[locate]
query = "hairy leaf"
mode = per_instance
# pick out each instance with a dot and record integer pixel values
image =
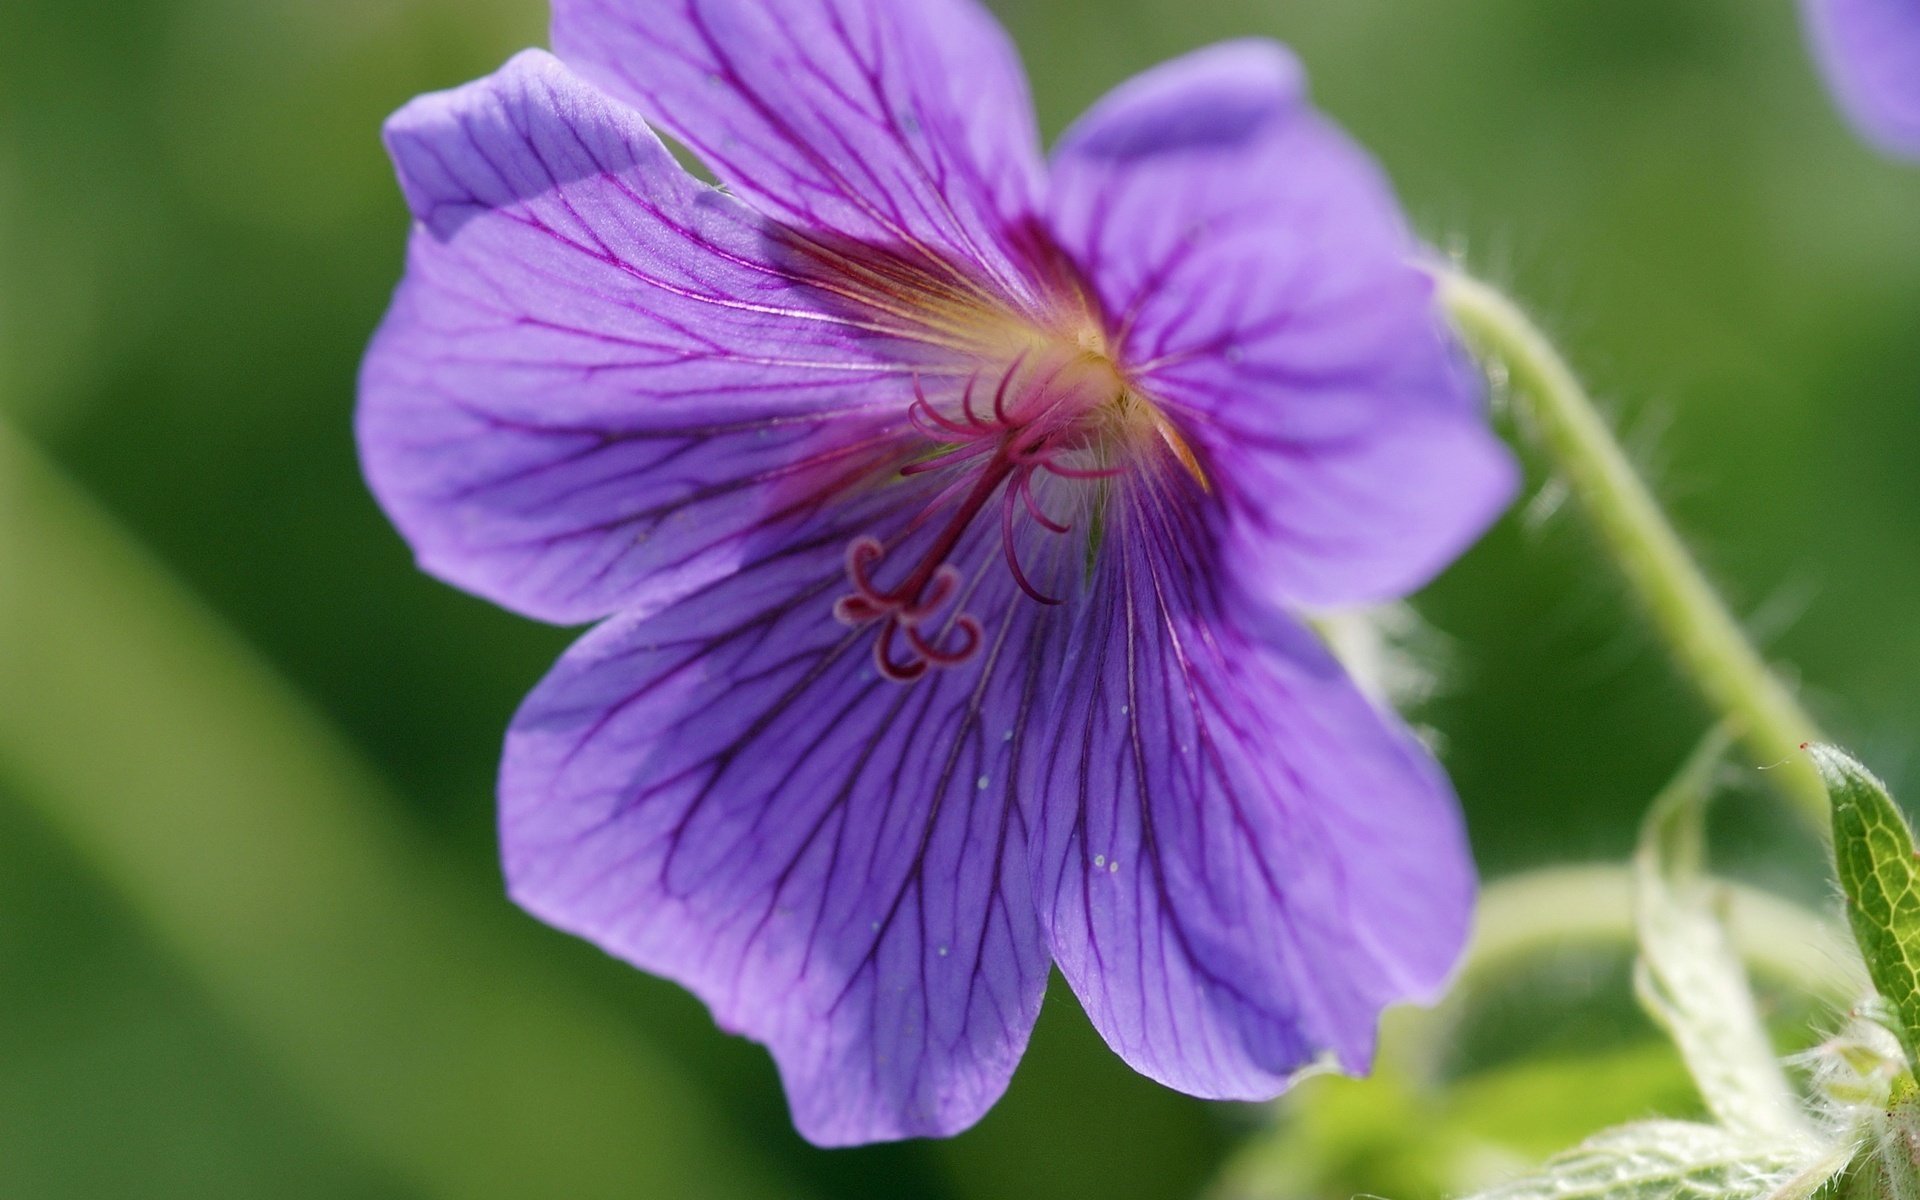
(1888, 1167)
(1873, 852)
(1689, 979)
(1678, 1160)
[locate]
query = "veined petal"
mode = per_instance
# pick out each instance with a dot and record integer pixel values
(1870, 50)
(1238, 861)
(598, 377)
(1258, 278)
(904, 123)
(728, 794)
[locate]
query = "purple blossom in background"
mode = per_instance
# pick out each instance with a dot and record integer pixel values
(1870, 50)
(947, 508)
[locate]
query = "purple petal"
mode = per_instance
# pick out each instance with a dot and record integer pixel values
(1238, 861)
(597, 378)
(892, 122)
(727, 793)
(1870, 50)
(1258, 274)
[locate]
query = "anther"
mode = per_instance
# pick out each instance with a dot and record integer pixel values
(1030, 428)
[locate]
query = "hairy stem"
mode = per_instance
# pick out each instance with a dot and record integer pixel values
(1553, 908)
(1590, 907)
(1706, 641)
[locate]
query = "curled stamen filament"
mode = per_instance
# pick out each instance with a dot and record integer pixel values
(1002, 452)
(1025, 487)
(904, 611)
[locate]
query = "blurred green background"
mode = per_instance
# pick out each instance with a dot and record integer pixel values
(251, 936)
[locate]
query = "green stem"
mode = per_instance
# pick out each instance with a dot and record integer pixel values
(1699, 631)
(1556, 909)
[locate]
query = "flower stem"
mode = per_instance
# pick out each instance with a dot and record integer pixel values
(1551, 910)
(1691, 618)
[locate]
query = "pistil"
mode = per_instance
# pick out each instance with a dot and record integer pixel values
(1029, 425)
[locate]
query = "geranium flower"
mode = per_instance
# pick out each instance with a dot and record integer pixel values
(1870, 51)
(947, 509)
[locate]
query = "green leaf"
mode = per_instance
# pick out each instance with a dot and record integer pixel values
(1886, 1168)
(1689, 979)
(1679, 1160)
(1873, 854)
(1860, 1068)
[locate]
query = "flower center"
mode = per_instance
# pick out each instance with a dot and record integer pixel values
(1016, 397)
(1056, 407)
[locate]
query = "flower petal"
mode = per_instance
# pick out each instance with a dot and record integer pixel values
(1870, 50)
(726, 793)
(1258, 275)
(896, 122)
(1239, 862)
(598, 377)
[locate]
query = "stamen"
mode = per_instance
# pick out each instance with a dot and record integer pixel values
(1006, 385)
(970, 638)
(945, 582)
(905, 672)
(1006, 546)
(1042, 414)
(905, 610)
(1025, 486)
(966, 403)
(922, 413)
(862, 554)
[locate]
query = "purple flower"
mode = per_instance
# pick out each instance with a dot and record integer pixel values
(947, 507)
(1870, 50)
